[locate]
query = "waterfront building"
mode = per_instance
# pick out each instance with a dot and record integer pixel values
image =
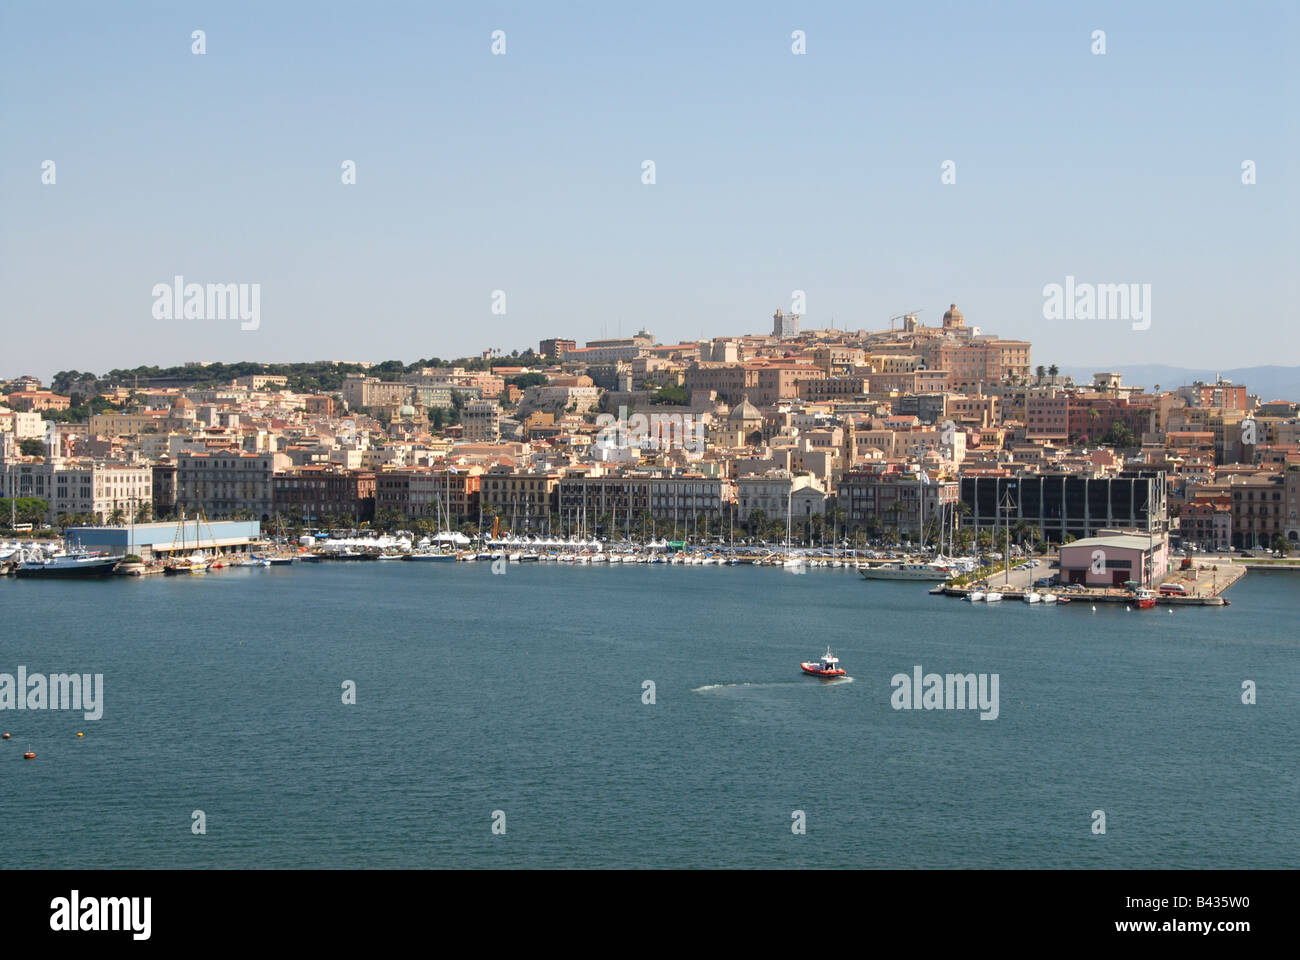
(222, 483)
(1111, 560)
(314, 492)
(157, 541)
(772, 494)
(80, 487)
(1063, 503)
(891, 499)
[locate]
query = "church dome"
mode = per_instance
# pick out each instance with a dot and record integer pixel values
(953, 317)
(745, 411)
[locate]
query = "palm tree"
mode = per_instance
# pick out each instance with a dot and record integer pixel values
(1053, 370)
(144, 513)
(117, 516)
(1041, 371)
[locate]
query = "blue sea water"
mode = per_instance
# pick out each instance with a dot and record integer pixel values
(523, 694)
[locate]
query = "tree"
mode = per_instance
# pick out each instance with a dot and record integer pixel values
(144, 513)
(1041, 371)
(1119, 435)
(1053, 370)
(32, 448)
(117, 516)
(1282, 545)
(31, 510)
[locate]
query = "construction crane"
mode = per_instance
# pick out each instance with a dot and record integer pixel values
(902, 316)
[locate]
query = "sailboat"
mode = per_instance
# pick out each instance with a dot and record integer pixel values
(790, 561)
(196, 562)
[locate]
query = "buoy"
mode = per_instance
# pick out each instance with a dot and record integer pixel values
(29, 756)
(80, 734)
(4, 736)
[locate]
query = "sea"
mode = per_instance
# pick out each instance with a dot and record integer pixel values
(379, 715)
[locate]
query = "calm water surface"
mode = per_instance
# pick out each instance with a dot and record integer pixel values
(523, 693)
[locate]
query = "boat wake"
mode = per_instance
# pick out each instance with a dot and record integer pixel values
(775, 683)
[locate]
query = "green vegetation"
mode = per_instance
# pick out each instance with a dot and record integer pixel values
(1119, 435)
(32, 448)
(526, 380)
(31, 510)
(81, 413)
(675, 396)
(317, 376)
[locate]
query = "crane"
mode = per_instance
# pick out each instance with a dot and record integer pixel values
(902, 316)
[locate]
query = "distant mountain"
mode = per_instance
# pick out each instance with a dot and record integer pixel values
(1268, 383)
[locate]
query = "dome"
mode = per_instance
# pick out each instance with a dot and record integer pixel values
(745, 411)
(952, 317)
(406, 411)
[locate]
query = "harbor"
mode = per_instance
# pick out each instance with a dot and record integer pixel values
(722, 645)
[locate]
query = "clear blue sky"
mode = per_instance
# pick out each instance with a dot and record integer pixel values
(522, 172)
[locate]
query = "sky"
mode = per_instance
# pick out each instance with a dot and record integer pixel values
(522, 172)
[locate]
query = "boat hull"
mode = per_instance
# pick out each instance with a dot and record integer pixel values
(86, 570)
(815, 670)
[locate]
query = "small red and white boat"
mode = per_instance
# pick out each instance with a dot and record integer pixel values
(827, 666)
(1146, 599)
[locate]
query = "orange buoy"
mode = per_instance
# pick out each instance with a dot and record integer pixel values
(80, 734)
(4, 736)
(29, 756)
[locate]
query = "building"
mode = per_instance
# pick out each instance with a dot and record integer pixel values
(445, 497)
(362, 391)
(523, 500)
(776, 493)
(105, 490)
(221, 483)
(785, 326)
(1111, 561)
(1207, 524)
(906, 502)
(157, 541)
(313, 493)
(482, 421)
(38, 400)
(556, 347)
(1260, 509)
(1058, 504)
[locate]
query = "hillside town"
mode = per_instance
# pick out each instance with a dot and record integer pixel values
(906, 435)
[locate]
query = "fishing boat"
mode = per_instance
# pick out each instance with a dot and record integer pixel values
(76, 565)
(827, 666)
(1146, 599)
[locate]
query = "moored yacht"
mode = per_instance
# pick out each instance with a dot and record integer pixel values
(903, 570)
(70, 565)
